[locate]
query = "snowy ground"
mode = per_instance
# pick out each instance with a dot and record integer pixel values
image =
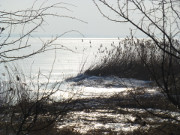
(106, 105)
(84, 86)
(112, 105)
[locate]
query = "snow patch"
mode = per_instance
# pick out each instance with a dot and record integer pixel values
(107, 81)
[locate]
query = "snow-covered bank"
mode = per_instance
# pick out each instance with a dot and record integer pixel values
(107, 81)
(94, 86)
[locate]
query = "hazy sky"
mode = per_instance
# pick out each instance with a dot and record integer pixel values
(97, 25)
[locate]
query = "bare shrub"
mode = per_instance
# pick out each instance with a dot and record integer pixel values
(29, 107)
(158, 21)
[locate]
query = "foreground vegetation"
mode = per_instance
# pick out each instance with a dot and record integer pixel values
(134, 112)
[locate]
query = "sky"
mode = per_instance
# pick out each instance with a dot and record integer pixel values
(96, 27)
